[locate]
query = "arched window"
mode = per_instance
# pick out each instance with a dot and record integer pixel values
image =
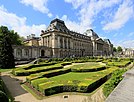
(42, 53)
(26, 52)
(19, 52)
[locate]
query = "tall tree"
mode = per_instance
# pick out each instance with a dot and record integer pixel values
(114, 49)
(15, 38)
(6, 51)
(119, 49)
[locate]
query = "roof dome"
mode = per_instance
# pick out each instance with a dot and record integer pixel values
(91, 33)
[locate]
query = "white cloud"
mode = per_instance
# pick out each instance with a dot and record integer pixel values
(123, 14)
(124, 43)
(12, 21)
(39, 5)
(76, 3)
(89, 10)
(127, 43)
(72, 25)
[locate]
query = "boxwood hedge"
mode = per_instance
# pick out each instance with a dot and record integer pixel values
(49, 86)
(88, 69)
(23, 72)
(47, 74)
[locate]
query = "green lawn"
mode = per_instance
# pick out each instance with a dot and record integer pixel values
(76, 78)
(4, 70)
(88, 67)
(85, 77)
(72, 78)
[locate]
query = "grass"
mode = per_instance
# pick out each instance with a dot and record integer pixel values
(39, 97)
(47, 73)
(22, 71)
(79, 79)
(119, 64)
(71, 78)
(88, 67)
(5, 70)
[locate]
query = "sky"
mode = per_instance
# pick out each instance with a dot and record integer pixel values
(111, 19)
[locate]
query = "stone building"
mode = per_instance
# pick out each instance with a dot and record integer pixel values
(101, 47)
(66, 43)
(129, 52)
(58, 41)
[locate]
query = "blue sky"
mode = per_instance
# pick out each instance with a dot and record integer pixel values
(113, 19)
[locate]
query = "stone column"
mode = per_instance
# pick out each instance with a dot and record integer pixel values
(96, 49)
(63, 42)
(23, 56)
(67, 42)
(58, 42)
(50, 41)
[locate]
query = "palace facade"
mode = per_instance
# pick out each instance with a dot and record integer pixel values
(58, 41)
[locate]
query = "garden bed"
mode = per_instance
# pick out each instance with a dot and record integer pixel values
(71, 82)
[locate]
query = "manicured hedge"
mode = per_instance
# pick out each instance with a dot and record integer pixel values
(30, 66)
(47, 74)
(90, 69)
(49, 87)
(23, 72)
(38, 81)
(119, 64)
(113, 81)
(58, 88)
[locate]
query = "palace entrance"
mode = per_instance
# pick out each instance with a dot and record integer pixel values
(42, 53)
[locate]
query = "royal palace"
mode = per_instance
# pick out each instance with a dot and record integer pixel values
(57, 41)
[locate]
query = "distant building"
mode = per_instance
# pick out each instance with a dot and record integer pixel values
(58, 41)
(129, 52)
(32, 40)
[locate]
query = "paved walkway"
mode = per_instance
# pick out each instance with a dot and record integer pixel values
(124, 92)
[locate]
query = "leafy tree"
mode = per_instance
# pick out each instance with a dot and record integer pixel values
(114, 49)
(3, 97)
(6, 51)
(15, 38)
(119, 49)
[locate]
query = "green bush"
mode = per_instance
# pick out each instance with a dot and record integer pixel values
(23, 72)
(38, 81)
(3, 97)
(113, 81)
(55, 88)
(1, 88)
(48, 74)
(119, 64)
